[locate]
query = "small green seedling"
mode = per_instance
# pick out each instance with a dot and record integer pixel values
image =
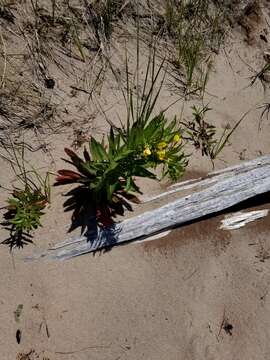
(27, 202)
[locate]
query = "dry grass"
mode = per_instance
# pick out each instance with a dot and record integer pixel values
(55, 54)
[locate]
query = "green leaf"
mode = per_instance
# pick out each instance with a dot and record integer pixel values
(110, 190)
(123, 155)
(89, 169)
(153, 132)
(142, 172)
(97, 151)
(82, 166)
(13, 202)
(112, 173)
(131, 186)
(112, 144)
(171, 126)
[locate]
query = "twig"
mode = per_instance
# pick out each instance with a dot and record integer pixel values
(80, 89)
(5, 61)
(222, 323)
(83, 349)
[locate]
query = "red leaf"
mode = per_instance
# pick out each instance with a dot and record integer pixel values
(69, 173)
(63, 180)
(70, 153)
(74, 157)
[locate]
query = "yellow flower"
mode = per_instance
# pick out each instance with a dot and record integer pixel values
(162, 145)
(161, 154)
(176, 137)
(146, 151)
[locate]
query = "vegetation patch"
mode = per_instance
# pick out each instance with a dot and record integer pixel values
(26, 203)
(76, 41)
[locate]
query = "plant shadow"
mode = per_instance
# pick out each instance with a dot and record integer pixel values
(16, 239)
(99, 237)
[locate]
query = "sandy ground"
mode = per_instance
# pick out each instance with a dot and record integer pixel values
(171, 298)
(198, 294)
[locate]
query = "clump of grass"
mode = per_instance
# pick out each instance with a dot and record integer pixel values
(101, 15)
(195, 28)
(196, 65)
(108, 12)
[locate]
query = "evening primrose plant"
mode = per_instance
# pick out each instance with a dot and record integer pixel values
(106, 175)
(104, 179)
(154, 136)
(163, 146)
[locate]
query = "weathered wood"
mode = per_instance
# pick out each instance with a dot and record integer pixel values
(240, 219)
(214, 193)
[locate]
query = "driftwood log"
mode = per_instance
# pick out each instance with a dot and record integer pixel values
(217, 191)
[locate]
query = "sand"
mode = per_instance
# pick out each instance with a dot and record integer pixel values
(171, 298)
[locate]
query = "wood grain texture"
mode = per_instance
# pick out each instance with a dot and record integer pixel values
(216, 192)
(240, 219)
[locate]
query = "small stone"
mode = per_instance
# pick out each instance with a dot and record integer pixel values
(49, 83)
